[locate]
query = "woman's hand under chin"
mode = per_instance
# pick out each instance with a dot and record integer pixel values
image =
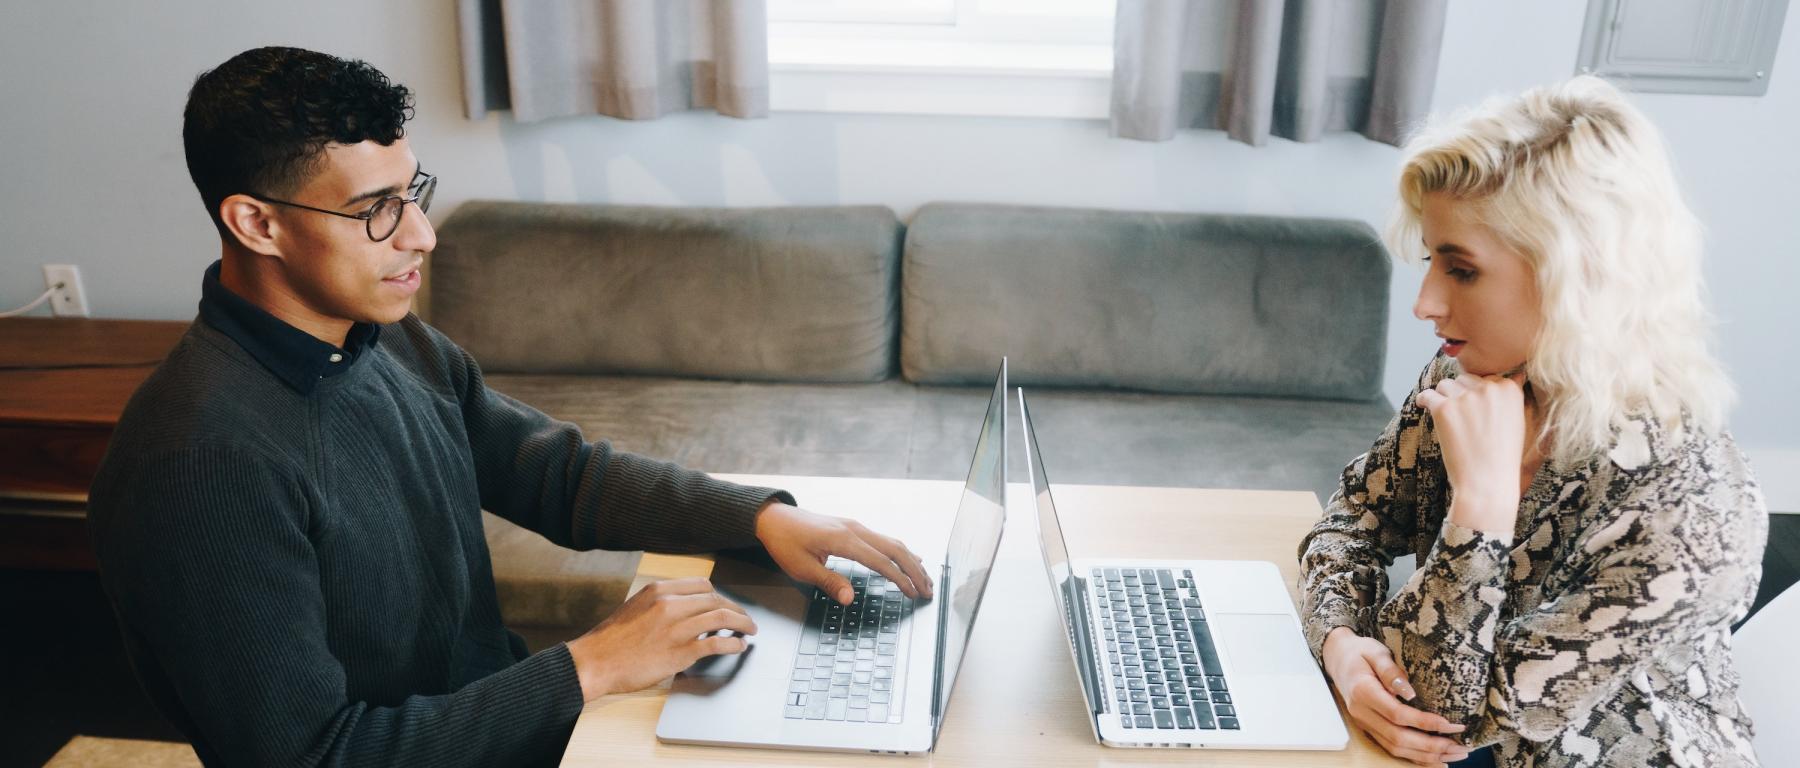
(1480, 423)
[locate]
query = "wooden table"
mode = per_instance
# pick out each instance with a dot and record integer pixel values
(63, 384)
(1016, 701)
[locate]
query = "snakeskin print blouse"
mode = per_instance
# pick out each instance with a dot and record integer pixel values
(1598, 633)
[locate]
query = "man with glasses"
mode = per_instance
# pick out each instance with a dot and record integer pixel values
(288, 516)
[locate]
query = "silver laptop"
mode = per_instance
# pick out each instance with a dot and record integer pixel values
(874, 676)
(1184, 653)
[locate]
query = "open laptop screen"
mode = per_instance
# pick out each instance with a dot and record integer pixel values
(1050, 537)
(1065, 584)
(974, 540)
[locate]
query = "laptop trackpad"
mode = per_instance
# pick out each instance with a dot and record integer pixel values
(777, 612)
(1263, 643)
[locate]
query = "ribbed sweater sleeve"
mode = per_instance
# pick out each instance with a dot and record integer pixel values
(542, 474)
(1368, 522)
(213, 568)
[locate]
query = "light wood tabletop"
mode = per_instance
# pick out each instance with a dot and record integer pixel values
(1017, 700)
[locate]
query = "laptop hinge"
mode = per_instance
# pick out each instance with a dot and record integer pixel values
(937, 677)
(1086, 659)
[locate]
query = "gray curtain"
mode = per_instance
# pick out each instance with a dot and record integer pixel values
(1290, 68)
(632, 59)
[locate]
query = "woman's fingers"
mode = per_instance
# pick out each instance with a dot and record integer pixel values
(1370, 681)
(1401, 730)
(1426, 748)
(1393, 748)
(1390, 674)
(1419, 745)
(1430, 400)
(1390, 709)
(1409, 743)
(1434, 398)
(1394, 681)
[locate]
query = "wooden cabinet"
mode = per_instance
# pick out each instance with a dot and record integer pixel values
(63, 384)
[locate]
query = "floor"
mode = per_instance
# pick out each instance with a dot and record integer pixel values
(71, 677)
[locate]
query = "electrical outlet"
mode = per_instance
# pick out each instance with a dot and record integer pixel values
(67, 299)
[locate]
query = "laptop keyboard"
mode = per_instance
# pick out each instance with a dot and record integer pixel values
(1165, 668)
(852, 659)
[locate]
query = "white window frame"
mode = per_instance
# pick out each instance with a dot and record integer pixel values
(935, 12)
(947, 57)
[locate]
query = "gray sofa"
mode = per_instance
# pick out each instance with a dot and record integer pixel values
(1160, 349)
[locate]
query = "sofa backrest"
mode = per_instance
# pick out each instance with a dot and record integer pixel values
(1164, 302)
(773, 294)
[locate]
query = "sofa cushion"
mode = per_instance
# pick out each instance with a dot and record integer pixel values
(893, 429)
(1161, 302)
(788, 294)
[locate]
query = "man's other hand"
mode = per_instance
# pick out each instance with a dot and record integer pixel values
(800, 541)
(661, 630)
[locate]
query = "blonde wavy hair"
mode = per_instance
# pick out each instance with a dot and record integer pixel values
(1576, 179)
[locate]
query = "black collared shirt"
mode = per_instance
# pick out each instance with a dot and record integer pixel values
(295, 356)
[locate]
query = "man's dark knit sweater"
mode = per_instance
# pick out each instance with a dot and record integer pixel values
(296, 552)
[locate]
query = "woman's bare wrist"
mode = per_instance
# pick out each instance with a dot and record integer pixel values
(1338, 633)
(1492, 514)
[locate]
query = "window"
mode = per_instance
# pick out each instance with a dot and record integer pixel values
(863, 11)
(1723, 47)
(982, 57)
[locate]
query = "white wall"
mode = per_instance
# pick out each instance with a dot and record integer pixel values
(93, 171)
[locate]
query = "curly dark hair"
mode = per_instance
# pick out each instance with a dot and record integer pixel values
(259, 123)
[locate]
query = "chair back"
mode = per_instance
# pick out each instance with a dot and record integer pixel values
(1763, 649)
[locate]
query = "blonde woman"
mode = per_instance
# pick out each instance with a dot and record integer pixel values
(1586, 530)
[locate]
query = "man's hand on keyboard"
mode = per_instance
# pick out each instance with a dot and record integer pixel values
(800, 542)
(661, 630)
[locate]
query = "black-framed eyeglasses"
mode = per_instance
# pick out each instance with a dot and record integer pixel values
(382, 218)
